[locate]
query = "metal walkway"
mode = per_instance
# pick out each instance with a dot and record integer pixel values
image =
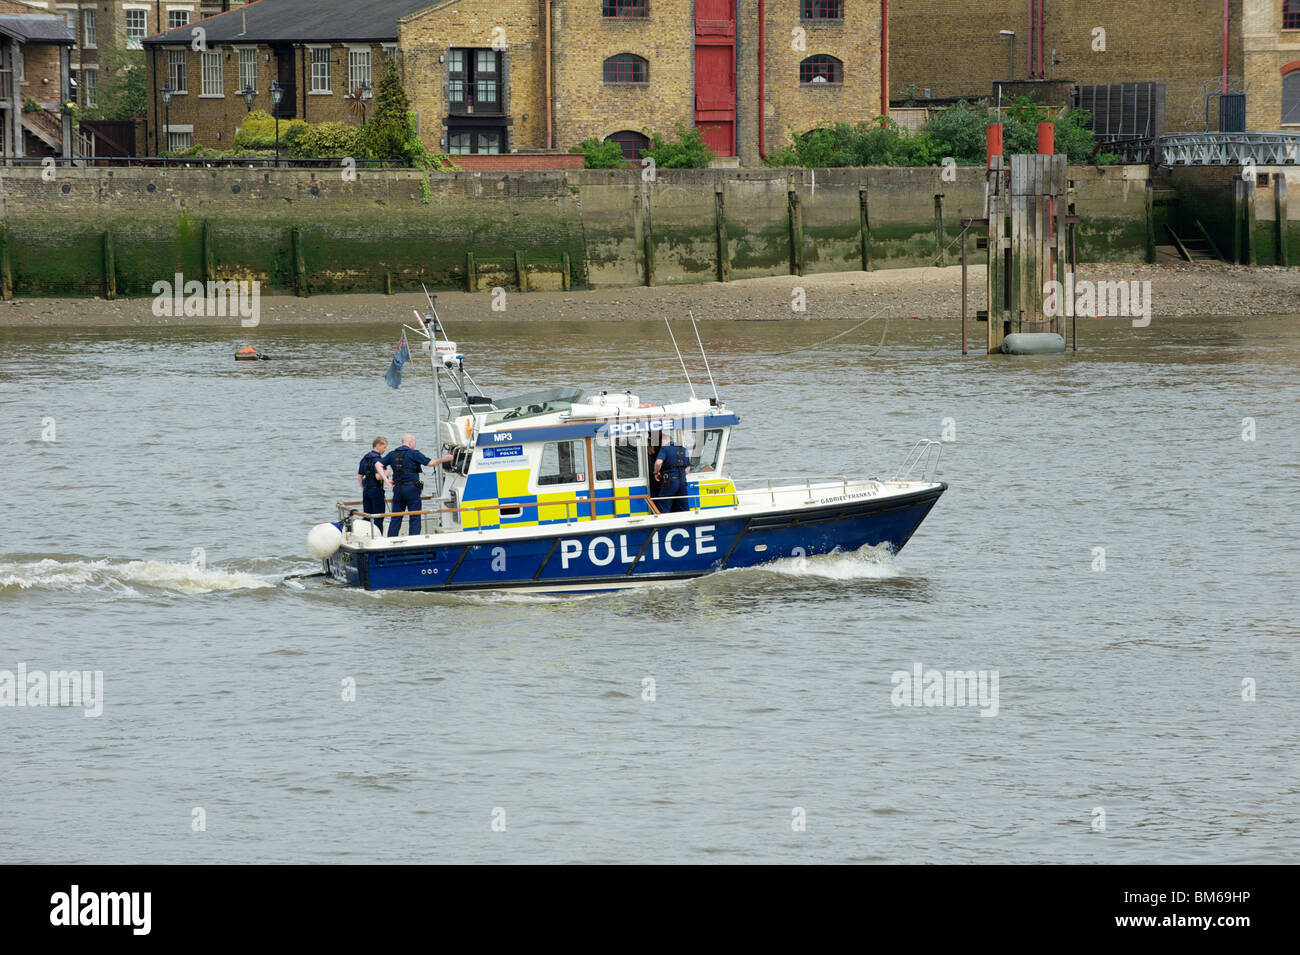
(1231, 149)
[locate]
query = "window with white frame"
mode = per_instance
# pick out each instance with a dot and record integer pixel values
(177, 18)
(88, 29)
(359, 70)
(176, 71)
(390, 51)
(211, 74)
(90, 88)
(179, 141)
(70, 18)
(137, 22)
(248, 69)
(320, 69)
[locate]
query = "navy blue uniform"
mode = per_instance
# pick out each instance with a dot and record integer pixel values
(406, 463)
(672, 484)
(372, 489)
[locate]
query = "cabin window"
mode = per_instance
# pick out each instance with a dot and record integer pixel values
(627, 460)
(704, 449)
(563, 462)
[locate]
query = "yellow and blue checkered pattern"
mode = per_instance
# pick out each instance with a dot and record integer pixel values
(490, 491)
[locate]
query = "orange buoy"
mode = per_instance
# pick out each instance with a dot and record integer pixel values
(249, 353)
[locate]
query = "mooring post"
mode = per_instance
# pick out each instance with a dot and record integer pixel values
(720, 224)
(1279, 215)
(521, 272)
(566, 277)
(388, 283)
(6, 267)
(471, 273)
(110, 266)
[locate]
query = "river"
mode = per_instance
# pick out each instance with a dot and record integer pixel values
(1118, 547)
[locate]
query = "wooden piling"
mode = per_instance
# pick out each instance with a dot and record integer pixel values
(864, 227)
(1151, 222)
(1279, 217)
(566, 276)
(998, 249)
(471, 273)
(110, 267)
(720, 224)
(938, 229)
(388, 283)
(6, 267)
(299, 262)
(648, 241)
(521, 271)
(1238, 213)
(209, 253)
(1250, 222)
(796, 234)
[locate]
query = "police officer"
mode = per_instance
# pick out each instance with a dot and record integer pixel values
(372, 481)
(671, 467)
(402, 473)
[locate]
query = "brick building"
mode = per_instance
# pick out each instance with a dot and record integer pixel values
(961, 50)
(125, 23)
(1271, 37)
(537, 75)
(35, 81)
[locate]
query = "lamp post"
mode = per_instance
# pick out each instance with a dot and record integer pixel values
(248, 93)
(1011, 60)
(277, 94)
(365, 88)
(167, 112)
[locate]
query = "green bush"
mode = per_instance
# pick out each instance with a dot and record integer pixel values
(958, 131)
(600, 154)
(326, 140)
(258, 131)
(687, 151)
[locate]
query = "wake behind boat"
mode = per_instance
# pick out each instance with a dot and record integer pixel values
(555, 492)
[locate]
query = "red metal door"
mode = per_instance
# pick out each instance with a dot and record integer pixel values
(715, 74)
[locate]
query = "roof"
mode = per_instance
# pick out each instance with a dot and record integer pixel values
(36, 28)
(300, 21)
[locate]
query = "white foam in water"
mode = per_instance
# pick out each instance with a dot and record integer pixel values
(103, 575)
(869, 563)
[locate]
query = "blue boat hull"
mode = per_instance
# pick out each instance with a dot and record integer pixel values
(590, 560)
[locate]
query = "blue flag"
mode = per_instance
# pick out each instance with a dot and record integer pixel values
(394, 374)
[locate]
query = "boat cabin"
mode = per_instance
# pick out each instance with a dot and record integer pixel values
(553, 457)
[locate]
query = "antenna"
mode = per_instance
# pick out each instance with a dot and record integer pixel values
(433, 310)
(679, 356)
(706, 357)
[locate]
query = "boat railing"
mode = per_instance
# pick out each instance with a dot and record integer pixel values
(923, 459)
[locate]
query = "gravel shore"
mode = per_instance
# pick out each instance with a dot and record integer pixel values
(1209, 289)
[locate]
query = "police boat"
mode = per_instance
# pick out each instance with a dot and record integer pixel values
(554, 492)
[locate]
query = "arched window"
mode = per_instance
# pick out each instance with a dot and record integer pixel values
(820, 69)
(1291, 15)
(630, 142)
(1291, 98)
(624, 8)
(627, 68)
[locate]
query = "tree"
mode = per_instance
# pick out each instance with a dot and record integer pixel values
(387, 132)
(123, 93)
(688, 151)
